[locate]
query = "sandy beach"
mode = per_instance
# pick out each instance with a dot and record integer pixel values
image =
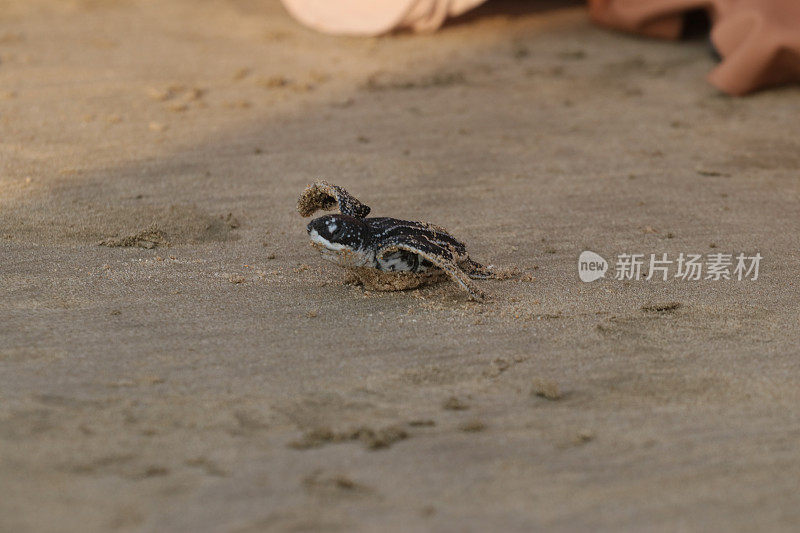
(174, 356)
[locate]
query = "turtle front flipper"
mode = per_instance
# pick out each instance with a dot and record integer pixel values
(475, 270)
(323, 195)
(439, 256)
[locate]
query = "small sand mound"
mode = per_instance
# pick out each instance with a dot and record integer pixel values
(665, 307)
(173, 225)
(547, 389)
(149, 238)
(503, 273)
(371, 438)
(383, 81)
(377, 280)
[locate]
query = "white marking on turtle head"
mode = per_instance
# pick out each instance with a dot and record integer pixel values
(341, 254)
(319, 239)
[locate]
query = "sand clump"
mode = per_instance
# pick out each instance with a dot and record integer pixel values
(454, 403)
(175, 93)
(377, 280)
(371, 438)
(334, 485)
(472, 426)
(174, 225)
(422, 422)
(547, 389)
(381, 81)
(666, 307)
(148, 238)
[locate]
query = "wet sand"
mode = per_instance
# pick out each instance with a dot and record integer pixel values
(175, 357)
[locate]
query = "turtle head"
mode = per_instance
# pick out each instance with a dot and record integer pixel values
(340, 238)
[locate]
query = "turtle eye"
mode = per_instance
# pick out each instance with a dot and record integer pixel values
(338, 233)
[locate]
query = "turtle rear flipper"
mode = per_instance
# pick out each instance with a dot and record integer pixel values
(323, 195)
(440, 257)
(475, 270)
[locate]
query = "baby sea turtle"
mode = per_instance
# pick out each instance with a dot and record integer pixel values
(387, 247)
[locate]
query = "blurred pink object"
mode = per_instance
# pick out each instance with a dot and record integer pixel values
(759, 40)
(376, 17)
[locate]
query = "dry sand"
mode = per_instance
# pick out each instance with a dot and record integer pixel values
(210, 373)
